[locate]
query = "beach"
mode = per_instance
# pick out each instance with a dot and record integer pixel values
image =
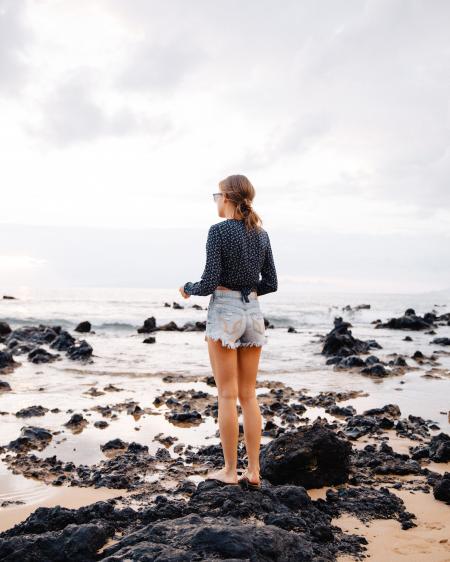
(133, 426)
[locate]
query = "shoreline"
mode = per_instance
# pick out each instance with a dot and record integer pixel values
(112, 454)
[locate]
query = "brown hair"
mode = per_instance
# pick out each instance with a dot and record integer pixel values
(241, 192)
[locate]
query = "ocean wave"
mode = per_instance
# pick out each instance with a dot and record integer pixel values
(64, 323)
(114, 326)
(30, 321)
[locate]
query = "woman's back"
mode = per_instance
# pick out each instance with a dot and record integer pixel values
(235, 258)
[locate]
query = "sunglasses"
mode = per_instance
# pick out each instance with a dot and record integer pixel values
(216, 196)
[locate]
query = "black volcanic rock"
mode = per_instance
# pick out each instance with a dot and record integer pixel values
(5, 328)
(81, 351)
(31, 411)
(31, 437)
(149, 326)
(6, 359)
(409, 321)
(63, 341)
(441, 488)
(312, 456)
(40, 355)
(340, 342)
(83, 327)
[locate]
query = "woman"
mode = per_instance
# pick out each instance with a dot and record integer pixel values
(237, 250)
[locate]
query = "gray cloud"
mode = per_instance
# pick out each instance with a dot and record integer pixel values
(71, 115)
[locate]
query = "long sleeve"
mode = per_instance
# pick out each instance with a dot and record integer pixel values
(213, 267)
(269, 279)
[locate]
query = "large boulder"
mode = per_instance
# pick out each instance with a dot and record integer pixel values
(194, 537)
(312, 456)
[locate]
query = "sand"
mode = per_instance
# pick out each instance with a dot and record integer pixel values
(65, 496)
(428, 542)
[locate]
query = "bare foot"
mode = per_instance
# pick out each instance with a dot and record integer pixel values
(252, 475)
(222, 475)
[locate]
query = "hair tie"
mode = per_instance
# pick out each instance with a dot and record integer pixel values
(245, 207)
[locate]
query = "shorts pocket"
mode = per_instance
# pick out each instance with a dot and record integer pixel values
(228, 319)
(258, 322)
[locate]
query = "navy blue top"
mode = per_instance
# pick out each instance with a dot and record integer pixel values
(234, 259)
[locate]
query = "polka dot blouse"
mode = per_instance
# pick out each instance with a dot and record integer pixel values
(235, 258)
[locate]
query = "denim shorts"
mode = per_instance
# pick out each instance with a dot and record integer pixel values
(235, 322)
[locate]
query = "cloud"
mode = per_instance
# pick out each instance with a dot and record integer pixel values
(71, 115)
(339, 108)
(159, 67)
(15, 40)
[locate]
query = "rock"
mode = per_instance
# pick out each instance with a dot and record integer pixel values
(359, 425)
(134, 447)
(336, 410)
(199, 326)
(6, 359)
(390, 409)
(4, 386)
(439, 448)
(114, 444)
(77, 543)
(409, 321)
(149, 326)
(351, 361)
(196, 537)
(169, 327)
(383, 460)
(37, 335)
(82, 351)
(150, 339)
(340, 341)
(40, 355)
(76, 420)
(31, 411)
(5, 328)
(184, 416)
(376, 370)
(63, 341)
(111, 388)
(312, 456)
(367, 504)
(31, 437)
(441, 489)
(83, 327)
(441, 341)
(101, 424)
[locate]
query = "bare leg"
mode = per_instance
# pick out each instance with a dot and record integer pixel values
(248, 362)
(224, 366)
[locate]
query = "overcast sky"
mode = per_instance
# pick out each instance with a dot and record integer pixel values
(119, 117)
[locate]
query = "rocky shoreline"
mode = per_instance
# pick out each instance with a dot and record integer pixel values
(168, 511)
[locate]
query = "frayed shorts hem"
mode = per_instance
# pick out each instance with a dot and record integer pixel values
(235, 345)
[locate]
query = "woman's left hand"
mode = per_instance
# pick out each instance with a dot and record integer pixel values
(183, 293)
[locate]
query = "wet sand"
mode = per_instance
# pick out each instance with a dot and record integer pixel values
(428, 542)
(65, 496)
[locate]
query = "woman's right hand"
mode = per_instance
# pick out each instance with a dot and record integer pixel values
(183, 293)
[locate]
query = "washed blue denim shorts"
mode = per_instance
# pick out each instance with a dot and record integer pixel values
(236, 322)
